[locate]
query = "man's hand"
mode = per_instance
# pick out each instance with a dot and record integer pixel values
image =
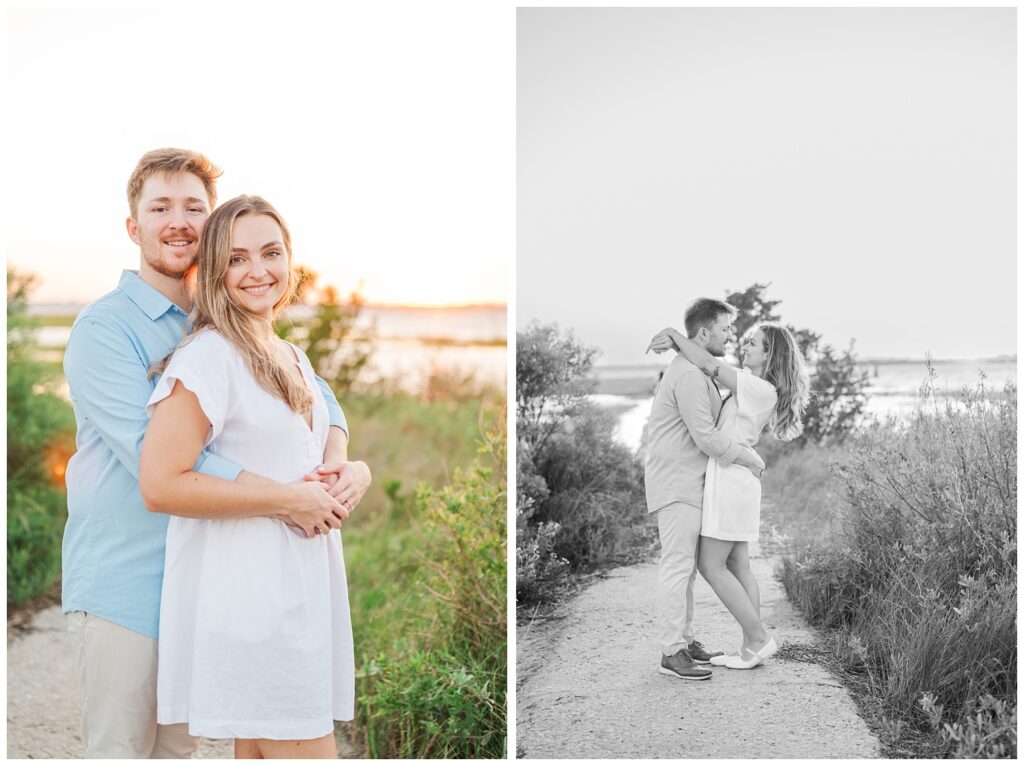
(346, 482)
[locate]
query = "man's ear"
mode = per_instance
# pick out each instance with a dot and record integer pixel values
(133, 230)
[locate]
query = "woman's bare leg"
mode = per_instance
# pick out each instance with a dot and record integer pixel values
(322, 747)
(246, 749)
(711, 563)
(738, 563)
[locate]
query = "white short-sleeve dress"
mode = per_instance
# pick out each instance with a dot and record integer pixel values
(255, 636)
(732, 494)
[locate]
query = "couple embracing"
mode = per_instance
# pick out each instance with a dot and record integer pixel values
(702, 475)
(203, 577)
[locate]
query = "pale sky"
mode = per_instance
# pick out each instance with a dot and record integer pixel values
(861, 160)
(384, 137)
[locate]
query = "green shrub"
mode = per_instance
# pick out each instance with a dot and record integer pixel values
(553, 378)
(440, 692)
(837, 395)
(580, 496)
(35, 525)
(40, 425)
(596, 493)
(539, 569)
(988, 730)
(919, 578)
(435, 705)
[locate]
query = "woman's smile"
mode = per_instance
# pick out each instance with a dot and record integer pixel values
(257, 274)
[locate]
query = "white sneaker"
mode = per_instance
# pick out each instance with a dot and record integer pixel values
(721, 659)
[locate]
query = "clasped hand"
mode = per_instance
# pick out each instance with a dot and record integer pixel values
(330, 493)
(346, 482)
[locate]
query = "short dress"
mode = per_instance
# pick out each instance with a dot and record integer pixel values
(255, 636)
(732, 494)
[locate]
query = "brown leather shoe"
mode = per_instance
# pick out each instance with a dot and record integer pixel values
(681, 665)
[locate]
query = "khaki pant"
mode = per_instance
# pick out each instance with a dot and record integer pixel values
(117, 673)
(679, 530)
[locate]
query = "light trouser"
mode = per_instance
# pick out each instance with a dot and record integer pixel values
(117, 673)
(679, 529)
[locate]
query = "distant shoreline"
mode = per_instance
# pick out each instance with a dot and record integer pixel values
(887, 378)
(71, 308)
(1001, 359)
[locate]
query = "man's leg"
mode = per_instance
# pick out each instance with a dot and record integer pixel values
(174, 741)
(117, 674)
(679, 530)
(688, 626)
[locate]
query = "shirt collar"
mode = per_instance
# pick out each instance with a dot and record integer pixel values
(146, 297)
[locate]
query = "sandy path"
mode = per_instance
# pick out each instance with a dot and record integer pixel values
(589, 687)
(43, 705)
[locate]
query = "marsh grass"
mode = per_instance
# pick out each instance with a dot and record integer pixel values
(912, 569)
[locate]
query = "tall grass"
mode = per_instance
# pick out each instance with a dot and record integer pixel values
(917, 577)
(427, 577)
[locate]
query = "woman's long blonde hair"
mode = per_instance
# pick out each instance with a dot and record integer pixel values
(785, 368)
(212, 306)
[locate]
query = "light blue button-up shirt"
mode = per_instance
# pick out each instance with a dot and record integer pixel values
(113, 550)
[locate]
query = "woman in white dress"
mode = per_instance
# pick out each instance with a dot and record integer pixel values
(771, 389)
(255, 638)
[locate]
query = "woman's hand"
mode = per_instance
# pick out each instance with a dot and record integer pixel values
(347, 482)
(664, 341)
(312, 509)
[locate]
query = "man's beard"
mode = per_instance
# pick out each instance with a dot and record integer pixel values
(162, 266)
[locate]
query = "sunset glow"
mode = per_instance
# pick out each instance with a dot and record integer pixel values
(358, 129)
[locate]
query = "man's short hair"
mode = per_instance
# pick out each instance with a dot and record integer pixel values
(172, 161)
(704, 312)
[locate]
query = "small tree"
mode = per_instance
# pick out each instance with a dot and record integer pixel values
(336, 348)
(752, 308)
(552, 380)
(837, 396)
(837, 387)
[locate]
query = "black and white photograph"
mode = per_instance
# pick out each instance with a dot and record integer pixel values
(766, 403)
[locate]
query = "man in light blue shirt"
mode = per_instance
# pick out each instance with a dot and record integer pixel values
(113, 548)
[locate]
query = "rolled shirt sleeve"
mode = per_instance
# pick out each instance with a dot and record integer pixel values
(335, 415)
(695, 410)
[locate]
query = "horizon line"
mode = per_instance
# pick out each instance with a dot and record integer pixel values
(367, 304)
(874, 360)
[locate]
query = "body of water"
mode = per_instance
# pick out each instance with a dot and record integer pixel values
(893, 388)
(409, 342)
